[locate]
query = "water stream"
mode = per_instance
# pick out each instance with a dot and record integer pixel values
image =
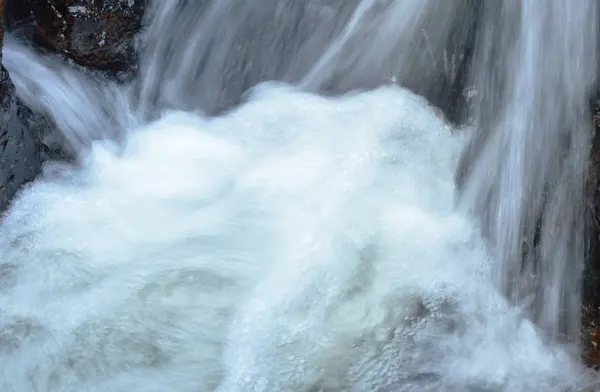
(311, 237)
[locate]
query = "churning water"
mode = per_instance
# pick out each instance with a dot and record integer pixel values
(295, 243)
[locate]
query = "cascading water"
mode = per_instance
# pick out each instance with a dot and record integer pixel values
(324, 45)
(296, 242)
(524, 170)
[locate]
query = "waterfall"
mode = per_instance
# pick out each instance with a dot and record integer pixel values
(523, 172)
(285, 199)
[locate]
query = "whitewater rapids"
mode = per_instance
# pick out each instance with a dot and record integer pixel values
(297, 243)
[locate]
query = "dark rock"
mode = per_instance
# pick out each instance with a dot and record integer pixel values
(20, 158)
(591, 290)
(98, 34)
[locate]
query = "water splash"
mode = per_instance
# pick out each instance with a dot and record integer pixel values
(294, 243)
(297, 242)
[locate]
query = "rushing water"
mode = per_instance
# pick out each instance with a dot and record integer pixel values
(324, 45)
(297, 242)
(534, 67)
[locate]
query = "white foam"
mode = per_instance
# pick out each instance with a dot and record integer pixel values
(296, 242)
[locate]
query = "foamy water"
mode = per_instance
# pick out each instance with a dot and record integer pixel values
(295, 244)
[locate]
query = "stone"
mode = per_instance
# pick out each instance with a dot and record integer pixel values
(98, 34)
(20, 158)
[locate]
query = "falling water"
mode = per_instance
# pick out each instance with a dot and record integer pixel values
(325, 45)
(526, 165)
(220, 231)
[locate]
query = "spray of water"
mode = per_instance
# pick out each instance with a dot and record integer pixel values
(295, 243)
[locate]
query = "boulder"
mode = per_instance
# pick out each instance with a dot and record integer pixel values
(97, 34)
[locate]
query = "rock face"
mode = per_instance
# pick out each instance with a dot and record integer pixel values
(97, 34)
(591, 292)
(20, 151)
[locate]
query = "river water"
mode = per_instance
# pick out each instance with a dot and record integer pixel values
(313, 237)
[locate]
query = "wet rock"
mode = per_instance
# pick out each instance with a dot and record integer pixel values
(591, 281)
(20, 158)
(98, 34)
(591, 337)
(592, 271)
